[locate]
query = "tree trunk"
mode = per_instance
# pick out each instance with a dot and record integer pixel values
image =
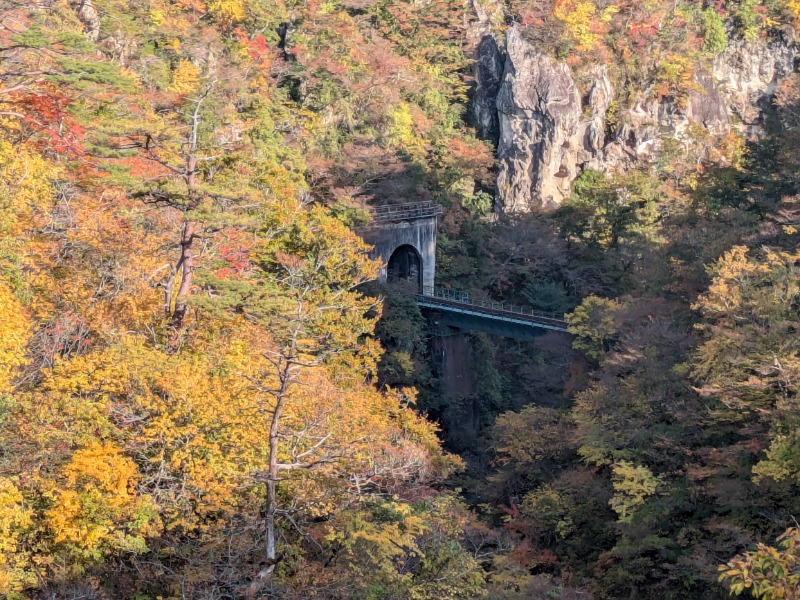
(271, 556)
(285, 373)
(272, 483)
(286, 367)
(186, 266)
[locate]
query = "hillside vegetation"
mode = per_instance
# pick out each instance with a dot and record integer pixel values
(202, 397)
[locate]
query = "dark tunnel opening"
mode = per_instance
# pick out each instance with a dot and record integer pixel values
(405, 265)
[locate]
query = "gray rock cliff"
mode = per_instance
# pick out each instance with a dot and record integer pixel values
(748, 72)
(546, 134)
(488, 76)
(539, 110)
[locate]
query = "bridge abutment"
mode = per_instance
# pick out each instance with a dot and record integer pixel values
(413, 225)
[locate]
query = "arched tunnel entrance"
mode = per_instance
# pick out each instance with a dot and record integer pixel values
(405, 266)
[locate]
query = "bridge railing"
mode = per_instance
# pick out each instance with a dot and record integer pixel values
(464, 298)
(402, 212)
(447, 294)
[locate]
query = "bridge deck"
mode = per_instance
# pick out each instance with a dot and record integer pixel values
(508, 316)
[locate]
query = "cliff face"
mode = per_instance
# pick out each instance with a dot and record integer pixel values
(539, 109)
(749, 73)
(547, 133)
(489, 62)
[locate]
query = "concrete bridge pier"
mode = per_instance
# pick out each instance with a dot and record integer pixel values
(451, 352)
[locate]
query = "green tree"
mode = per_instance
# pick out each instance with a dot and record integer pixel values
(606, 211)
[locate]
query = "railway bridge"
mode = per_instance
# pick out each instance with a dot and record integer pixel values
(404, 240)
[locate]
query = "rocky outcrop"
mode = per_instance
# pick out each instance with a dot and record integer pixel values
(539, 110)
(639, 135)
(490, 17)
(601, 95)
(489, 62)
(545, 134)
(748, 72)
(88, 15)
(488, 76)
(707, 106)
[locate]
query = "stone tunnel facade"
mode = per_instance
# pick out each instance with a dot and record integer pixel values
(420, 234)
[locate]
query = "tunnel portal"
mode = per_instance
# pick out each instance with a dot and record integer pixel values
(405, 265)
(403, 238)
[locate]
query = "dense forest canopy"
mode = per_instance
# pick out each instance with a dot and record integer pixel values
(204, 392)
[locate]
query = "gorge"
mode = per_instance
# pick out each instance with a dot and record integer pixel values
(399, 299)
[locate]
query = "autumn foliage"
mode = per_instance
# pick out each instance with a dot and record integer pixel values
(186, 358)
(199, 398)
